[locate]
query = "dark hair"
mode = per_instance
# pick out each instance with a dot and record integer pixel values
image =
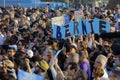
(115, 47)
(50, 42)
(24, 42)
(74, 66)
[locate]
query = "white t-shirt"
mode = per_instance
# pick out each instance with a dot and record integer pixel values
(90, 43)
(105, 76)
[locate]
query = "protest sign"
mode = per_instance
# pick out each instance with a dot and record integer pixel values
(22, 75)
(83, 27)
(58, 21)
(58, 32)
(66, 18)
(63, 31)
(78, 15)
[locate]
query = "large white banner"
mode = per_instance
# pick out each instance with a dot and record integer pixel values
(22, 75)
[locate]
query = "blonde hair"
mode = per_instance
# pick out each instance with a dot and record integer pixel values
(98, 72)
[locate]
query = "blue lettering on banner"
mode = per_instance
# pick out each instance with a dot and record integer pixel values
(91, 24)
(76, 28)
(71, 28)
(95, 24)
(104, 26)
(57, 32)
(83, 27)
(67, 19)
(59, 35)
(67, 32)
(88, 26)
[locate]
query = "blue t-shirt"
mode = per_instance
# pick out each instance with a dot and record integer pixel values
(86, 67)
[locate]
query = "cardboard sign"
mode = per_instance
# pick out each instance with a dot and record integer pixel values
(83, 27)
(67, 19)
(60, 21)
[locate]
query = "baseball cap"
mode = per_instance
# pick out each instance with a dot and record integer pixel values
(29, 52)
(13, 46)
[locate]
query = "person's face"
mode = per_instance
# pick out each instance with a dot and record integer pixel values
(20, 45)
(11, 52)
(81, 58)
(97, 63)
(49, 56)
(117, 61)
(72, 50)
(9, 34)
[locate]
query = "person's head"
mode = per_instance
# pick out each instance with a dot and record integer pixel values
(73, 66)
(55, 45)
(49, 43)
(100, 61)
(50, 55)
(73, 48)
(83, 45)
(59, 13)
(80, 75)
(9, 33)
(83, 55)
(41, 67)
(73, 57)
(22, 44)
(115, 47)
(13, 39)
(11, 52)
(29, 53)
(97, 72)
(116, 51)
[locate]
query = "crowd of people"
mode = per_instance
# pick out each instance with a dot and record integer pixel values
(26, 43)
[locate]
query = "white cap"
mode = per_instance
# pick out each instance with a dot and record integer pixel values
(29, 52)
(13, 46)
